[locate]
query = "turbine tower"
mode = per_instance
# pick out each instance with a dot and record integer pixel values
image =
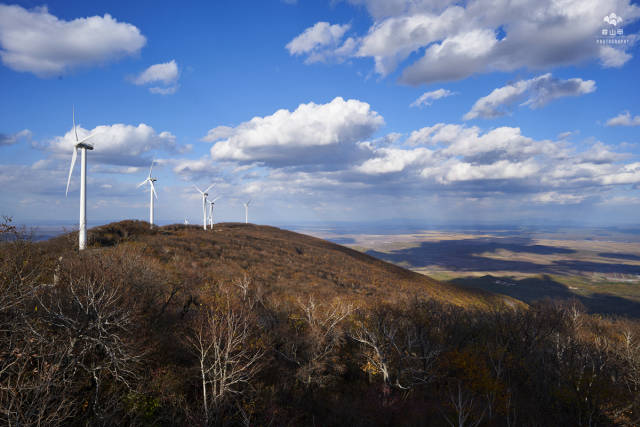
(246, 212)
(152, 192)
(211, 203)
(204, 204)
(83, 147)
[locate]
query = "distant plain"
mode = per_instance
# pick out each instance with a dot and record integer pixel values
(599, 267)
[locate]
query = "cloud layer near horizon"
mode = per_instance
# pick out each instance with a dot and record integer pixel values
(329, 154)
(331, 148)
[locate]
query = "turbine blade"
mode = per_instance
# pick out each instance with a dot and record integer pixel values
(153, 189)
(151, 168)
(89, 137)
(215, 199)
(142, 183)
(199, 190)
(73, 114)
(73, 162)
(209, 188)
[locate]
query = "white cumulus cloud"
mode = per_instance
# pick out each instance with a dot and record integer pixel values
(218, 133)
(165, 74)
(535, 93)
(118, 144)
(312, 133)
(500, 170)
(319, 35)
(38, 42)
(390, 160)
(624, 119)
(454, 40)
(427, 98)
(13, 138)
(559, 198)
(321, 42)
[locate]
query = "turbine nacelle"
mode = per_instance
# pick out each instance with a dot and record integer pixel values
(150, 180)
(85, 145)
(205, 192)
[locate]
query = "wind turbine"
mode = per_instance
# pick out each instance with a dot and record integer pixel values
(246, 212)
(211, 203)
(204, 204)
(152, 192)
(83, 147)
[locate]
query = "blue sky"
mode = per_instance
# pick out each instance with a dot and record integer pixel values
(311, 110)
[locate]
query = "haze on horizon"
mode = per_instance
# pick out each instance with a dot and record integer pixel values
(356, 110)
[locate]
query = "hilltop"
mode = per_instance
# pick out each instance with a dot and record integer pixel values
(249, 324)
(278, 260)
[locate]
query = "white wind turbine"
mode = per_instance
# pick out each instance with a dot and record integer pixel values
(152, 192)
(246, 212)
(83, 147)
(204, 204)
(211, 203)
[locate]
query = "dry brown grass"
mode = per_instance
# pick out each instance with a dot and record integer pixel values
(282, 262)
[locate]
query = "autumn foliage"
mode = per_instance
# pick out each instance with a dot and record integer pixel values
(248, 325)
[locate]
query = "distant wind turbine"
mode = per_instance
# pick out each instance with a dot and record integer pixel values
(186, 221)
(246, 212)
(83, 147)
(211, 203)
(204, 204)
(152, 192)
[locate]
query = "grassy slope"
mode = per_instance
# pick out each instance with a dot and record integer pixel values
(285, 263)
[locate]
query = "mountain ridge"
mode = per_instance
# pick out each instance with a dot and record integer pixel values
(280, 260)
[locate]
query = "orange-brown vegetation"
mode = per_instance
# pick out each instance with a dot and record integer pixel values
(249, 325)
(278, 261)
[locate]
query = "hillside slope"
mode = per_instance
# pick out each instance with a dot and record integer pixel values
(280, 261)
(249, 324)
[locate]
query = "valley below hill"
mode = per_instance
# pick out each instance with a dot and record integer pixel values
(598, 267)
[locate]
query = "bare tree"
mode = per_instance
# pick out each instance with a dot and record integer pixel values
(35, 385)
(37, 388)
(315, 348)
(630, 353)
(379, 341)
(228, 359)
(397, 347)
(91, 324)
(463, 405)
